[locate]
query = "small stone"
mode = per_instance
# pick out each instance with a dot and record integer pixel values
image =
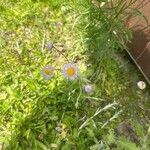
(141, 85)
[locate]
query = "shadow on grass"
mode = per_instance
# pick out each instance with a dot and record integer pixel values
(54, 120)
(108, 36)
(38, 129)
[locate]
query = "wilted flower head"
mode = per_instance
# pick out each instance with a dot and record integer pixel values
(47, 72)
(141, 85)
(50, 45)
(54, 146)
(88, 88)
(70, 71)
(59, 24)
(41, 136)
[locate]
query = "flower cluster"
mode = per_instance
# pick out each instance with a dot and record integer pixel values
(70, 71)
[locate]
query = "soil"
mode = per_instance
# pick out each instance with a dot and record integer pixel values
(139, 48)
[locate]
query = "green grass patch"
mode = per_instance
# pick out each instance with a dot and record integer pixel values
(59, 114)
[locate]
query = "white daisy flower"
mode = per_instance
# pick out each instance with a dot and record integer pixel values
(48, 72)
(141, 85)
(88, 88)
(70, 71)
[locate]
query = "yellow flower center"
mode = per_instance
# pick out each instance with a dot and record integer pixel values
(48, 71)
(70, 71)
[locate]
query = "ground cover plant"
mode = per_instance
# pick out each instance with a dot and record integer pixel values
(65, 79)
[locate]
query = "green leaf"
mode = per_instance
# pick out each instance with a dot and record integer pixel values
(126, 144)
(41, 145)
(67, 146)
